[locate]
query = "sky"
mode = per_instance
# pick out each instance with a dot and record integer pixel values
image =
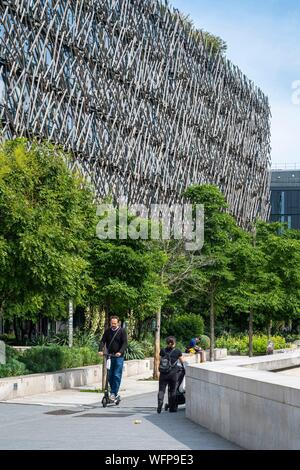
(263, 39)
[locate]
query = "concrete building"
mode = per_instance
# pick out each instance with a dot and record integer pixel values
(141, 100)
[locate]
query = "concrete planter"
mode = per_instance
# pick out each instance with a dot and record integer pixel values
(24, 385)
(244, 401)
(218, 354)
(16, 387)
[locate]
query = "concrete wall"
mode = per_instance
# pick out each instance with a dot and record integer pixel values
(218, 353)
(137, 367)
(15, 387)
(243, 401)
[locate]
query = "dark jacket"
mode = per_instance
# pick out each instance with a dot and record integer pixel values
(119, 344)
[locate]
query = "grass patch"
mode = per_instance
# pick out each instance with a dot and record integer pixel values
(94, 390)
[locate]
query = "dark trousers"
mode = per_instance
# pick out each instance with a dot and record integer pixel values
(171, 381)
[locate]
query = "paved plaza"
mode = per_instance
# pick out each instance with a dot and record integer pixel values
(71, 419)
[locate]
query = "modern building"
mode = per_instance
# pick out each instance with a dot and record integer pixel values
(145, 105)
(285, 196)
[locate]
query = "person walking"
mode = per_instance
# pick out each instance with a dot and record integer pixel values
(168, 376)
(115, 341)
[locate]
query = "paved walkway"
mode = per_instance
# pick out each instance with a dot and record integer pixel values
(70, 398)
(71, 419)
(133, 425)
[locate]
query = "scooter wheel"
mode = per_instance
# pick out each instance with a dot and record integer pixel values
(104, 402)
(117, 402)
(166, 407)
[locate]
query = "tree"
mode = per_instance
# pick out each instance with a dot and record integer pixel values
(256, 290)
(46, 213)
(219, 230)
(281, 249)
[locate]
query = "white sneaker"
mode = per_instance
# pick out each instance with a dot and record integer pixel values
(112, 397)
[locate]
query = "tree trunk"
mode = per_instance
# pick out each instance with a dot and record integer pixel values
(1, 318)
(212, 328)
(251, 333)
(157, 345)
(16, 330)
(269, 329)
(21, 326)
(30, 330)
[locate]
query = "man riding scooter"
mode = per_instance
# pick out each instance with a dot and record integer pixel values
(115, 340)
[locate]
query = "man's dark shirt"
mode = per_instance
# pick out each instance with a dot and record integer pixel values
(119, 344)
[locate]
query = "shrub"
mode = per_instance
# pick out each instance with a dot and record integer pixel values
(43, 359)
(41, 340)
(184, 327)
(204, 342)
(54, 358)
(61, 338)
(11, 353)
(233, 343)
(89, 356)
(8, 338)
(240, 344)
(147, 346)
(80, 339)
(134, 351)
(12, 368)
(290, 338)
(85, 339)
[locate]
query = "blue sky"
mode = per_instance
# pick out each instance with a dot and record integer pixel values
(263, 39)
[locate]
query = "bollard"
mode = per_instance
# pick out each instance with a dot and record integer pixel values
(202, 356)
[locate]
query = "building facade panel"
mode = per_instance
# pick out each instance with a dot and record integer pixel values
(144, 105)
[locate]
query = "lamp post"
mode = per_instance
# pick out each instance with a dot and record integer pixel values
(157, 344)
(70, 324)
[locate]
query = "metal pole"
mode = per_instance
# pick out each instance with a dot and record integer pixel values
(70, 323)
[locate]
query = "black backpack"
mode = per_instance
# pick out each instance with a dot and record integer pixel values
(165, 364)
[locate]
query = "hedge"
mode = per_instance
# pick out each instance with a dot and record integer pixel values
(41, 359)
(184, 327)
(240, 344)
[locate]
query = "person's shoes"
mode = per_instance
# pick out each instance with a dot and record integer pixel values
(173, 410)
(112, 397)
(159, 408)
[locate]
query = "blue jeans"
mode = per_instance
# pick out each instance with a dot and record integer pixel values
(115, 374)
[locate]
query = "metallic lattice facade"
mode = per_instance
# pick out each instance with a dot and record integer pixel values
(146, 107)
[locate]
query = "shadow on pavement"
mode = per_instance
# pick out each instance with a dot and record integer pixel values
(176, 425)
